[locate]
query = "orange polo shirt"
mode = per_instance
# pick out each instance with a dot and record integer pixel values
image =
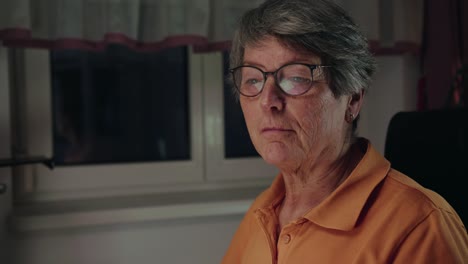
(377, 215)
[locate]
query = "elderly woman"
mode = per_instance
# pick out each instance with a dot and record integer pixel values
(301, 68)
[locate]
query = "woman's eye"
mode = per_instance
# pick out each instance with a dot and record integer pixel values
(299, 80)
(252, 81)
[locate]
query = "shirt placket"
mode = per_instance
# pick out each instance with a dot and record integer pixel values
(287, 239)
(267, 220)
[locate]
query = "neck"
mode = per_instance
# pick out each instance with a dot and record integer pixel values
(306, 189)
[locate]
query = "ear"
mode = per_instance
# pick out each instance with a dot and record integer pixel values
(355, 103)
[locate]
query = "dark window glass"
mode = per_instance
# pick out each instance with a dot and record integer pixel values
(120, 105)
(238, 143)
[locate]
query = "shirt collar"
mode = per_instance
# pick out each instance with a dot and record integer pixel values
(343, 207)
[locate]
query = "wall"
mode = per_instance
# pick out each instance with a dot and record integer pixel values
(197, 240)
(393, 90)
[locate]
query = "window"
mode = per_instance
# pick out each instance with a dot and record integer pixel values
(119, 106)
(156, 122)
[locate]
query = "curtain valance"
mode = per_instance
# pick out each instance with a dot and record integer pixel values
(140, 24)
(156, 24)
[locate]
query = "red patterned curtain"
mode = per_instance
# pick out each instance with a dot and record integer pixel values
(444, 55)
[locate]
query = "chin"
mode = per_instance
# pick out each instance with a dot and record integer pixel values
(275, 156)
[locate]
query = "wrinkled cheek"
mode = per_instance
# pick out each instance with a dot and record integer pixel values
(253, 132)
(248, 118)
(311, 125)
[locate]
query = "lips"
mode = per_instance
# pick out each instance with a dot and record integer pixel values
(275, 132)
(276, 129)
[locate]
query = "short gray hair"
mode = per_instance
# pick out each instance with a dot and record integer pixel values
(317, 26)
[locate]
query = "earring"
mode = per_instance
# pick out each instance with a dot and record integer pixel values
(350, 117)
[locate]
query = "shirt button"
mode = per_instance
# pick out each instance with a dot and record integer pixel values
(286, 238)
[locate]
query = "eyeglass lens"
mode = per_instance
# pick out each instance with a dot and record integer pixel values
(293, 79)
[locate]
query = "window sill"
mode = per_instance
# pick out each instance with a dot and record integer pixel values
(125, 210)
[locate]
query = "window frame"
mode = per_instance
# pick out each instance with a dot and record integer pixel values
(218, 167)
(207, 169)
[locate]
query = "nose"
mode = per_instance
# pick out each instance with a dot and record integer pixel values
(271, 97)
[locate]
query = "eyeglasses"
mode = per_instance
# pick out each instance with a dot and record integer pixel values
(293, 79)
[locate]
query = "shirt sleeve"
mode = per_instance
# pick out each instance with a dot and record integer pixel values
(440, 238)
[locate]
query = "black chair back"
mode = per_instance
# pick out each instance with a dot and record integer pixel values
(431, 147)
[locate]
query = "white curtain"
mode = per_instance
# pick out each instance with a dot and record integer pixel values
(142, 24)
(154, 24)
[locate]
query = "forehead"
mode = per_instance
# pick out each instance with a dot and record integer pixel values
(270, 51)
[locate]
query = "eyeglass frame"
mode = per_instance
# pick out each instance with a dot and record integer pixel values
(265, 74)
